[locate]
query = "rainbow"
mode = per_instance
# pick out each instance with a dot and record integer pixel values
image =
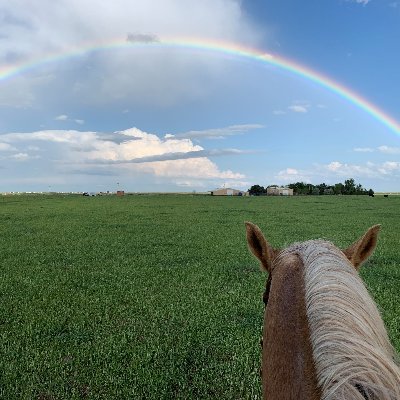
(233, 49)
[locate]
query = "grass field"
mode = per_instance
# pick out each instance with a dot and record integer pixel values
(157, 296)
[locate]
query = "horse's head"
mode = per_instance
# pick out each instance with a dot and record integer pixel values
(320, 322)
(357, 253)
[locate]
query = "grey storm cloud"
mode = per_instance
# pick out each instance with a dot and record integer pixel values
(216, 133)
(116, 137)
(12, 57)
(142, 38)
(175, 156)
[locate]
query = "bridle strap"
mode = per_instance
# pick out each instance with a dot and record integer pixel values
(362, 391)
(267, 290)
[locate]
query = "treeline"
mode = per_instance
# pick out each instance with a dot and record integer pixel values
(349, 187)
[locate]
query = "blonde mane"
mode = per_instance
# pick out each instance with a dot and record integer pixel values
(353, 357)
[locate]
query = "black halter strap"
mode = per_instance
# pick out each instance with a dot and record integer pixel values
(363, 391)
(267, 290)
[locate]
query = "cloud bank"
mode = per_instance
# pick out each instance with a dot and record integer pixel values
(137, 155)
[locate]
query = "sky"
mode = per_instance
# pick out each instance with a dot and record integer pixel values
(183, 96)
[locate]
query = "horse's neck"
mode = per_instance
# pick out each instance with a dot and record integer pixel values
(287, 364)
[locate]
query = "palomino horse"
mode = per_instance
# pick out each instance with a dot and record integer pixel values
(323, 336)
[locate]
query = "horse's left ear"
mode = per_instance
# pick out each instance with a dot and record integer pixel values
(259, 246)
(361, 249)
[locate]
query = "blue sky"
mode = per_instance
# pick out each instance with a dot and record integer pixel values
(153, 117)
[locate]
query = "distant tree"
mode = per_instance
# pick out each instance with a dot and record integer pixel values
(315, 191)
(349, 186)
(294, 187)
(257, 190)
(321, 187)
(300, 188)
(338, 188)
(359, 189)
(309, 189)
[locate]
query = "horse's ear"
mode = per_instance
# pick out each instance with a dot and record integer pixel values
(259, 246)
(361, 249)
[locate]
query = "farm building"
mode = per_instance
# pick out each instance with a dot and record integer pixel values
(228, 192)
(279, 191)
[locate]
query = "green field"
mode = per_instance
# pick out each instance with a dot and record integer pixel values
(157, 296)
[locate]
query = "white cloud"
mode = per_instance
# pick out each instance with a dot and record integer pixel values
(382, 149)
(278, 112)
(23, 157)
(20, 156)
(363, 2)
(62, 117)
(363, 149)
(291, 175)
(200, 168)
(334, 166)
(304, 106)
(139, 144)
(56, 136)
(150, 154)
(292, 171)
(389, 167)
(6, 147)
(206, 185)
(350, 170)
(298, 108)
(367, 170)
(389, 150)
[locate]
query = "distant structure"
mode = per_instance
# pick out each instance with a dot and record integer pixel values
(279, 191)
(120, 193)
(228, 192)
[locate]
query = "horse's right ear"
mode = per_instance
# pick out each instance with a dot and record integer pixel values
(259, 246)
(362, 248)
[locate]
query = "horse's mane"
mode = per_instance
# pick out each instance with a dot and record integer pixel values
(352, 353)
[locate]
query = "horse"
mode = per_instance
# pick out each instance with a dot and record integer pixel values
(323, 336)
